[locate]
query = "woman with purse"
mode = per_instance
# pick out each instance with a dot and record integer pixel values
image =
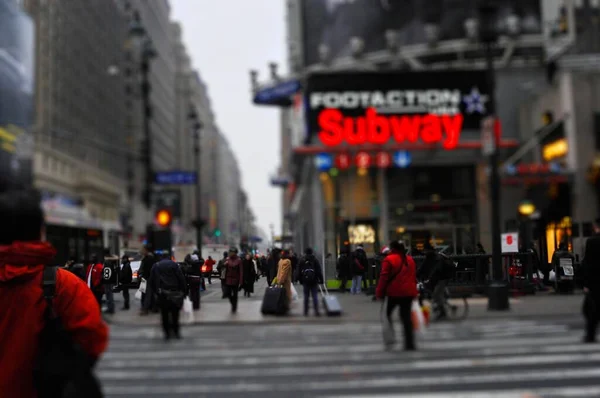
(398, 283)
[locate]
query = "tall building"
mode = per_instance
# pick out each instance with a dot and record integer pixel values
(155, 16)
(185, 84)
(80, 116)
(228, 183)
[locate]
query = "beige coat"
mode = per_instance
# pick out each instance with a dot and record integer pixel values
(284, 276)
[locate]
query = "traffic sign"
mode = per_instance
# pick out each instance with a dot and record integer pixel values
(323, 161)
(383, 159)
(402, 159)
(510, 242)
(363, 160)
(176, 177)
(342, 161)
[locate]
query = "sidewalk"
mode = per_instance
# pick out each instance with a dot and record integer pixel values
(357, 309)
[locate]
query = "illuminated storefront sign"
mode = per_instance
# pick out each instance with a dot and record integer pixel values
(377, 108)
(555, 150)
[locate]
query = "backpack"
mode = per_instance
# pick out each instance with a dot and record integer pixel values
(126, 276)
(62, 369)
(309, 275)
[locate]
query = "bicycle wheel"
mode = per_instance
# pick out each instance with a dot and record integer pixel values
(457, 308)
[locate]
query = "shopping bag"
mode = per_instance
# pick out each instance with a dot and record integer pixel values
(389, 337)
(143, 286)
(418, 319)
(188, 311)
(138, 295)
(294, 293)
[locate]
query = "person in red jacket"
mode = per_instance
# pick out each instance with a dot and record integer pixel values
(95, 279)
(23, 257)
(398, 282)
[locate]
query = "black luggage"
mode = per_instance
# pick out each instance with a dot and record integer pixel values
(274, 301)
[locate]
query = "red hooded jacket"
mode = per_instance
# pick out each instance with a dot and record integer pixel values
(22, 314)
(398, 278)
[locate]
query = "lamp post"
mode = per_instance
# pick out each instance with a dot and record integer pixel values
(148, 52)
(196, 127)
(498, 289)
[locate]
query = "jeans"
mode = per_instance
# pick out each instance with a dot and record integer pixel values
(311, 290)
(405, 304)
(125, 297)
(110, 298)
(356, 281)
(232, 293)
(439, 296)
(170, 319)
(195, 295)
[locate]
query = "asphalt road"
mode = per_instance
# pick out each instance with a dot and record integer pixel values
(487, 358)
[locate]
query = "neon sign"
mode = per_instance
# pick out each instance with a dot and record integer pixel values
(374, 128)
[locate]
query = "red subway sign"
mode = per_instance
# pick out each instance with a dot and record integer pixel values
(352, 109)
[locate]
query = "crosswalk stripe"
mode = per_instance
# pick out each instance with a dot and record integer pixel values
(188, 350)
(363, 369)
(344, 357)
(590, 391)
(361, 384)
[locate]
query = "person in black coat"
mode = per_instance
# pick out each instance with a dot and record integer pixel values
(591, 283)
(125, 279)
(249, 275)
(148, 260)
(344, 269)
(168, 282)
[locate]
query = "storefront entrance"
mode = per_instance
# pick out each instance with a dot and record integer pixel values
(450, 239)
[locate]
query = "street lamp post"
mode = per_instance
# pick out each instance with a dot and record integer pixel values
(498, 289)
(196, 127)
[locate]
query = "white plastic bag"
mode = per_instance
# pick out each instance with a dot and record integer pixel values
(138, 295)
(418, 319)
(143, 286)
(294, 293)
(552, 276)
(188, 311)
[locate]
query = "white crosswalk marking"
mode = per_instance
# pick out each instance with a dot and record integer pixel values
(496, 359)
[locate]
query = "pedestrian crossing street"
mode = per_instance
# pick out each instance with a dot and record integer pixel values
(494, 358)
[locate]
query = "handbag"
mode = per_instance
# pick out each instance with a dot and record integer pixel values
(188, 311)
(143, 286)
(173, 297)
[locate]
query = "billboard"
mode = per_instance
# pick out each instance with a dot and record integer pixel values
(357, 108)
(16, 95)
(334, 22)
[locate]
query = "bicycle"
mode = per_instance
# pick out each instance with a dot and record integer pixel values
(456, 309)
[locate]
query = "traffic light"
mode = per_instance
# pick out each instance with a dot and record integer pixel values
(164, 218)
(217, 232)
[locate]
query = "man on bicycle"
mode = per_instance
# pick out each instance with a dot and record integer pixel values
(434, 271)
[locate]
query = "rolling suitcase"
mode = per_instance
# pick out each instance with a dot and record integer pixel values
(330, 303)
(274, 301)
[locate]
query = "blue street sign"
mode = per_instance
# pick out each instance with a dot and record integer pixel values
(279, 94)
(402, 159)
(510, 169)
(555, 168)
(324, 161)
(175, 177)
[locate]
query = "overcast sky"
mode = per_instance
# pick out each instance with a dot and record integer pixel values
(225, 39)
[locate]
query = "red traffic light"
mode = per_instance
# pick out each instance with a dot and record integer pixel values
(163, 218)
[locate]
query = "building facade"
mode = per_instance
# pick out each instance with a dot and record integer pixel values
(363, 193)
(80, 116)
